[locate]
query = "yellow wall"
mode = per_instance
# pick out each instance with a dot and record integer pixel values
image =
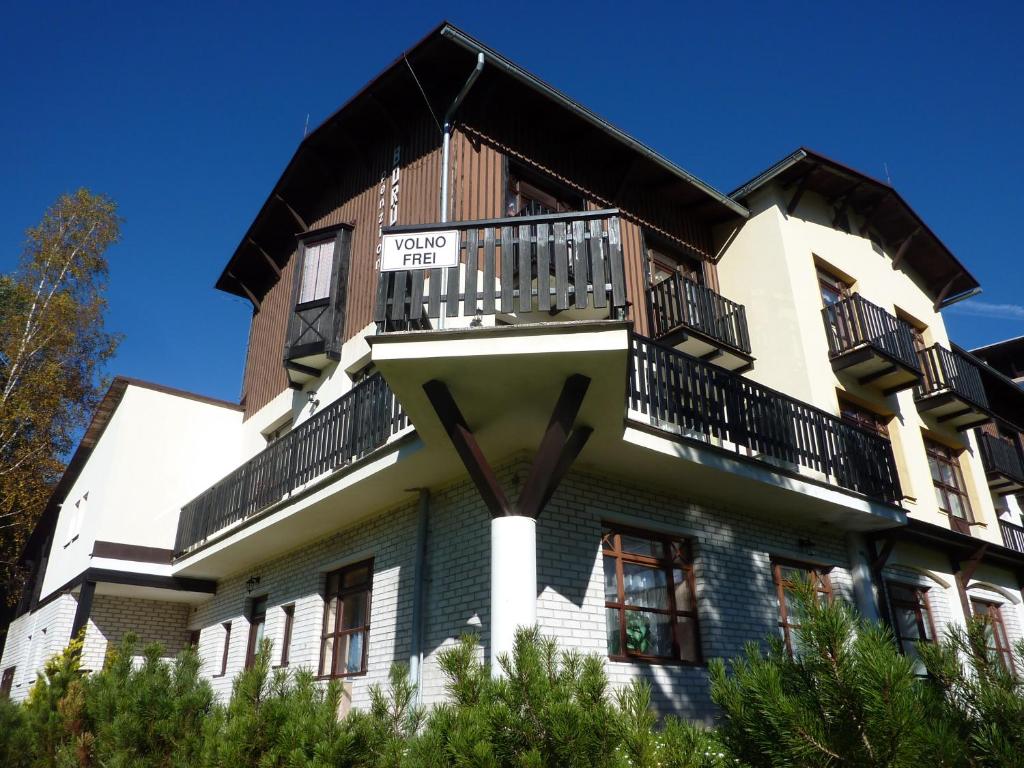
(769, 266)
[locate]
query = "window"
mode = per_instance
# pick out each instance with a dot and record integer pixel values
(530, 194)
(317, 263)
(786, 575)
(911, 619)
(286, 638)
(227, 645)
(650, 599)
(257, 623)
(950, 491)
(995, 630)
(833, 289)
(856, 414)
(6, 683)
(193, 638)
(278, 432)
(667, 260)
(346, 621)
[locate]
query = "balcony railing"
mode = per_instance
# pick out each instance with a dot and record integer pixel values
(1000, 456)
(346, 430)
(1013, 535)
(679, 390)
(678, 303)
(947, 371)
(551, 263)
(856, 322)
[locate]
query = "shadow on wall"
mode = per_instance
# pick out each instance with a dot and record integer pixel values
(152, 621)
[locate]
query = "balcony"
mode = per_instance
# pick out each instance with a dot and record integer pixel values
(951, 391)
(694, 319)
(1013, 535)
(522, 270)
(705, 402)
(1003, 465)
(351, 427)
(870, 345)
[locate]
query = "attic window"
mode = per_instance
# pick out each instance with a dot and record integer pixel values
(316, 271)
(531, 194)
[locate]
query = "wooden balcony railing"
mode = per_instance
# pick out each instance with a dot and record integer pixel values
(1013, 535)
(680, 303)
(346, 430)
(1001, 456)
(948, 371)
(855, 322)
(548, 263)
(677, 389)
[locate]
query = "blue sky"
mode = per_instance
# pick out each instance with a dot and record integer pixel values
(186, 115)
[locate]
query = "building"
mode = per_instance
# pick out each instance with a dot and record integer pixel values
(624, 406)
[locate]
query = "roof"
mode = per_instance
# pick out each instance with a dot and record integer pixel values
(97, 426)
(1014, 344)
(945, 277)
(441, 61)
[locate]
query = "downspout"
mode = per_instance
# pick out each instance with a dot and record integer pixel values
(446, 134)
(419, 594)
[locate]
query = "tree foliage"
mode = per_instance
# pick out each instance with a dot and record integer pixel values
(53, 347)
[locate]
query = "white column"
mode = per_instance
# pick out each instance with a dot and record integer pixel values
(513, 581)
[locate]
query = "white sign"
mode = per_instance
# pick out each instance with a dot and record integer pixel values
(419, 250)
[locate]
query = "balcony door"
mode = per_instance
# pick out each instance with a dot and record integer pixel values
(841, 319)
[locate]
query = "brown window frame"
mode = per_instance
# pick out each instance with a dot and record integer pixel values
(922, 609)
(257, 617)
(854, 413)
(227, 646)
(286, 637)
(830, 281)
(7, 682)
(339, 632)
(1001, 644)
(678, 555)
(823, 586)
(943, 454)
(528, 189)
(193, 638)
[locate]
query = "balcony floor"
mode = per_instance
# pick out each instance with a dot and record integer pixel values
(872, 367)
(697, 344)
(948, 409)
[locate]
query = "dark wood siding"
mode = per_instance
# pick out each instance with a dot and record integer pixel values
(355, 200)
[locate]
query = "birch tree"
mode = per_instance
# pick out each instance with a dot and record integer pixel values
(53, 349)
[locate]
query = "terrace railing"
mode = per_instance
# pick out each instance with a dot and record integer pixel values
(945, 370)
(346, 430)
(681, 391)
(680, 303)
(547, 263)
(855, 322)
(1000, 455)
(1013, 535)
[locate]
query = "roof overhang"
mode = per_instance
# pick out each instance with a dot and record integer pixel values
(945, 277)
(441, 62)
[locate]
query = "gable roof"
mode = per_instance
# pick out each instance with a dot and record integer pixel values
(946, 278)
(434, 70)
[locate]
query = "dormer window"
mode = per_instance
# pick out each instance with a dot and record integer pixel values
(317, 320)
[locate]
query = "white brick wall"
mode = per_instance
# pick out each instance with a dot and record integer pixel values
(153, 621)
(35, 637)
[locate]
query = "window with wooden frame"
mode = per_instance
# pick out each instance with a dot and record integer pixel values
(666, 259)
(911, 618)
(995, 630)
(833, 288)
(286, 636)
(6, 683)
(193, 638)
(346, 627)
(530, 194)
(227, 645)
(787, 574)
(948, 480)
(650, 597)
(317, 265)
(257, 625)
(854, 413)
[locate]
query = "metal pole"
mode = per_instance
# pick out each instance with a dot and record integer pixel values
(419, 593)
